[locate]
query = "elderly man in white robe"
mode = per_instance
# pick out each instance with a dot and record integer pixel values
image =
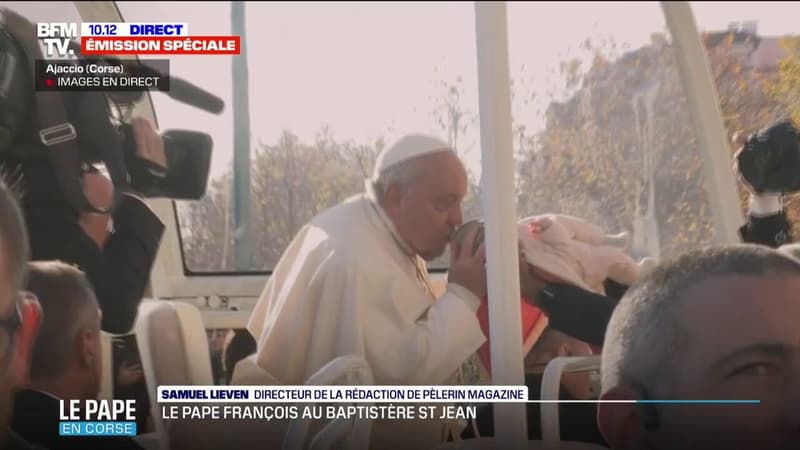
(354, 281)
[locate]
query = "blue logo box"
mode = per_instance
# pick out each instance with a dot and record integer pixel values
(97, 428)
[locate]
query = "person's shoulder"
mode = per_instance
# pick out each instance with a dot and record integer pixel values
(15, 442)
(338, 240)
(117, 443)
(344, 225)
(26, 396)
(343, 210)
(320, 247)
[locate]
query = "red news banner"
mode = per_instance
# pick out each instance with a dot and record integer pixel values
(160, 45)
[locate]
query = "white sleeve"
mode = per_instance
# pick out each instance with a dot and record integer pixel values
(431, 349)
(463, 293)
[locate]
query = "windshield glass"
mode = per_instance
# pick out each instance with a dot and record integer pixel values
(329, 85)
(601, 123)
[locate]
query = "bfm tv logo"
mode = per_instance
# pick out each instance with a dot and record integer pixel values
(97, 418)
(56, 36)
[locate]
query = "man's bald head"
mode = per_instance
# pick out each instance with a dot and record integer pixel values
(646, 336)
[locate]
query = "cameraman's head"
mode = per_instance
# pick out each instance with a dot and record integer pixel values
(19, 313)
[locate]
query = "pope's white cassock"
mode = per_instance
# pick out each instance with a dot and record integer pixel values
(349, 285)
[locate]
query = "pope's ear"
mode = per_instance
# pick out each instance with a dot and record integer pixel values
(393, 196)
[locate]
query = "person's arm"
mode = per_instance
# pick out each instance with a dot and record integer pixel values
(766, 222)
(576, 312)
(433, 348)
(571, 310)
(120, 271)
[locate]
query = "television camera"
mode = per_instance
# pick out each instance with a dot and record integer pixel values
(75, 129)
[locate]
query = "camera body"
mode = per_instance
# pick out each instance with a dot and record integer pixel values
(769, 161)
(188, 155)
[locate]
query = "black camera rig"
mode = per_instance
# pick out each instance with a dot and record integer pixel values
(71, 130)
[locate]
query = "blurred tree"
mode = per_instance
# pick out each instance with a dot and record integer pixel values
(457, 123)
(620, 150)
(291, 183)
(786, 88)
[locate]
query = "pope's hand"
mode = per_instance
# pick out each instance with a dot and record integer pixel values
(468, 269)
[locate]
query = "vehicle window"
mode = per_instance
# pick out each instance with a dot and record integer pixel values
(600, 118)
(602, 126)
(754, 52)
(329, 86)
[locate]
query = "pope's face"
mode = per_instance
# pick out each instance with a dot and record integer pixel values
(430, 210)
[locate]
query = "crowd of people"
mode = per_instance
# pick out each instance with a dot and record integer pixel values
(716, 323)
(68, 275)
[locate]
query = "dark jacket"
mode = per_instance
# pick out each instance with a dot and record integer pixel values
(36, 418)
(17, 443)
(772, 231)
(119, 272)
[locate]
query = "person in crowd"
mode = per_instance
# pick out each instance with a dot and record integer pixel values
(129, 382)
(216, 345)
(115, 250)
(66, 362)
(354, 281)
(766, 165)
(713, 324)
(20, 314)
(238, 345)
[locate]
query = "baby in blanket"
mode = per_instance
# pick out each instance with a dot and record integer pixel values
(559, 249)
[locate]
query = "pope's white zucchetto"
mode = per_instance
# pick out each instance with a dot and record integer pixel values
(407, 148)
